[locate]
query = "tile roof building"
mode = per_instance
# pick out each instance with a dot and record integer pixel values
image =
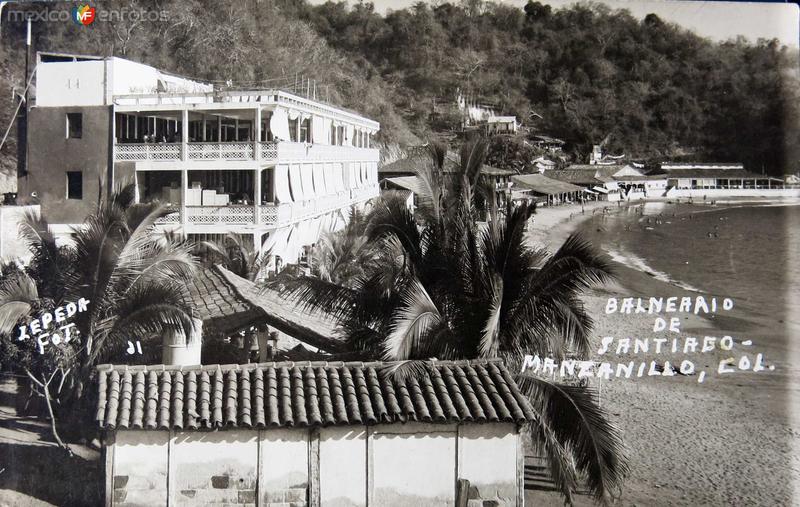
(309, 394)
(312, 433)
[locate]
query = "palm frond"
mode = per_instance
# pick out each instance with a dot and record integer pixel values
(18, 295)
(579, 424)
(400, 371)
(311, 293)
(413, 320)
(390, 216)
(489, 345)
(559, 460)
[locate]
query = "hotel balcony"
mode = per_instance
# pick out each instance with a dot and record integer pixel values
(270, 215)
(268, 151)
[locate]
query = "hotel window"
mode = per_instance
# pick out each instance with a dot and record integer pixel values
(340, 136)
(74, 184)
(305, 131)
(293, 130)
(74, 125)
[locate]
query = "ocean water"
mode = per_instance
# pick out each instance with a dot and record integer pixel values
(748, 251)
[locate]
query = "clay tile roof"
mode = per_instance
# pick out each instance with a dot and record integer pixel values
(305, 394)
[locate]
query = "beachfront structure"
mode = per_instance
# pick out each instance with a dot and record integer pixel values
(629, 181)
(707, 176)
(791, 180)
(272, 166)
(591, 178)
(312, 434)
(544, 190)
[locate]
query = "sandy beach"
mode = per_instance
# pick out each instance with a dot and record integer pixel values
(726, 441)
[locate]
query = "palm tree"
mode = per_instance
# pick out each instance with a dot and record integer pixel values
(340, 256)
(134, 282)
(236, 255)
(450, 289)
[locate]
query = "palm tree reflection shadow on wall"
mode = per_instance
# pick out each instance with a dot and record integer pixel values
(442, 286)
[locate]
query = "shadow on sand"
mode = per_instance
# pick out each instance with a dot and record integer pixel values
(47, 473)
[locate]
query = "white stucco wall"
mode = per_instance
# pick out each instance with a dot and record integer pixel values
(140, 468)
(218, 467)
(487, 457)
(414, 464)
(283, 479)
(721, 193)
(129, 77)
(70, 83)
(343, 467)
(398, 465)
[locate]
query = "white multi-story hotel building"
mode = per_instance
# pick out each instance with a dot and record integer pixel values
(267, 164)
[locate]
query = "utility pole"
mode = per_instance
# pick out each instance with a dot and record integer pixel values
(22, 119)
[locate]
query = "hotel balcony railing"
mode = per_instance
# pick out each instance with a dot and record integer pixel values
(229, 215)
(271, 214)
(269, 151)
(148, 151)
(173, 218)
(220, 151)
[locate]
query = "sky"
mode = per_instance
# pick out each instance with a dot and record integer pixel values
(716, 20)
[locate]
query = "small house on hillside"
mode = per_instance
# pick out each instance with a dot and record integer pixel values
(543, 164)
(312, 434)
(501, 125)
(551, 144)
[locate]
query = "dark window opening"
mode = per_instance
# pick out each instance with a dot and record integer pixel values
(74, 125)
(305, 131)
(74, 185)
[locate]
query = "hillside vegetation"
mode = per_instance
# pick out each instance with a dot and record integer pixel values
(586, 73)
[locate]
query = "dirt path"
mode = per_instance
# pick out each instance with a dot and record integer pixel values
(34, 471)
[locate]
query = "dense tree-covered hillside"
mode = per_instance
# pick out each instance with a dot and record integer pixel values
(585, 73)
(645, 87)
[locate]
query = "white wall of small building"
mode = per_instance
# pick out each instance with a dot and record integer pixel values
(94, 82)
(413, 463)
(71, 83)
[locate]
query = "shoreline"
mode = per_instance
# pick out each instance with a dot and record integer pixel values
(679, 433)
(551, 225)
